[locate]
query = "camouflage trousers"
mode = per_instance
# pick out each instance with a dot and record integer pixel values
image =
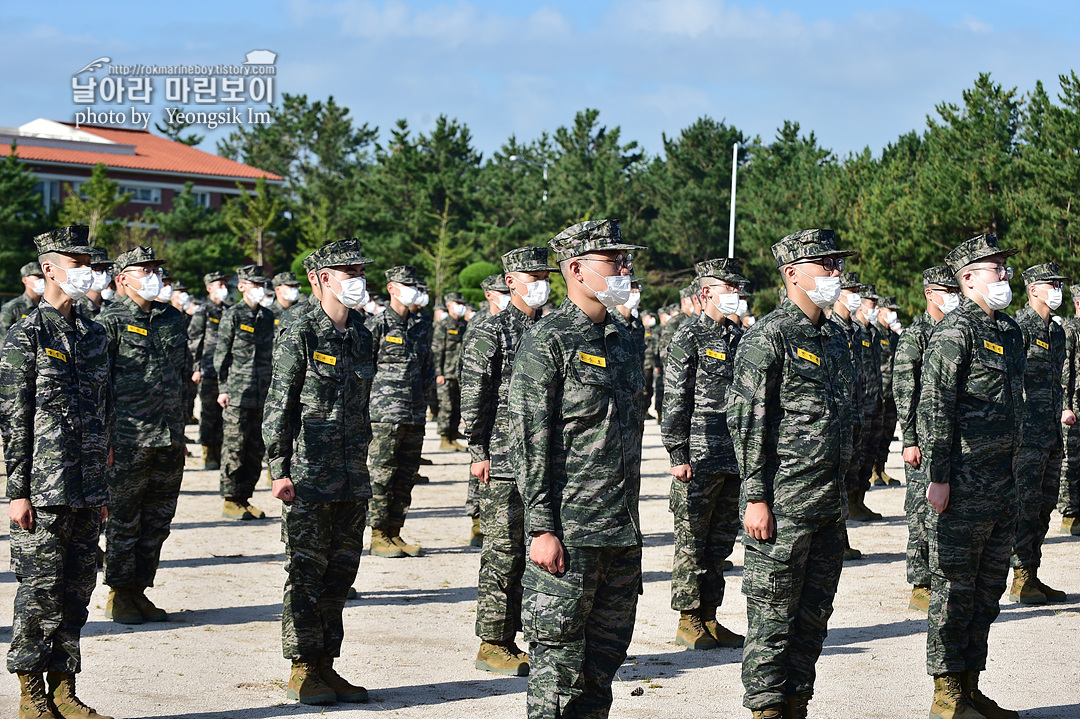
(706, 511)
(1069, 496)
(502, 561)
(658, 394)
(323, 541)
(144, 484)
(852, 484)
(873, 428)
(393, 458)
(191, 391)
(472, 497)
(56, 568)
(888, 429)
(579, 626)
(242, 451)
(789, 583)
(916, 509)
(649, 383)
(449, 418)
(210, 423)
(969, 568)
(1038, 478)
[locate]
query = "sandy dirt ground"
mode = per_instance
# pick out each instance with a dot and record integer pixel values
(409, 634)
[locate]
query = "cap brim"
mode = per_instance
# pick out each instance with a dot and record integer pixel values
(70, 250)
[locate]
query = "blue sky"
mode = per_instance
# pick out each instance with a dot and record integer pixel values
(855, 73)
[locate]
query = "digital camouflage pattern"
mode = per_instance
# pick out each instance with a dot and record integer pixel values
(589, 236)
(853, 332)
(651, 366)
(807, 245)
(393, 460)
(873, 408)
(887, 340)
(969, 422)
(706, 513)
(14, 310)
(446, 355)
(636, 329)
(403, 370)
(1069, 496)
(502, 560)
(87, 307)
(202, 341)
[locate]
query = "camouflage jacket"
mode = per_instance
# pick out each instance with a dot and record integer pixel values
(701, 359)
(243, 358)
(486, 361)
(652, 351)
(293, 312)
(422, 323)
(576, 404)
(790, 414)
(56, 410)
(203, 335)
(871, 362)
(403, 370)
(907, 375)
(86, 307)
(1044, 345)
(636, 329)
(886, 340)
(853, 332)
(14, 310)
(147, 359)
(315, 424)
(1070, 374)
(971, 406)
(446, 346)
(668, 331)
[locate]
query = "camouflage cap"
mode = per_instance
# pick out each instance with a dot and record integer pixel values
(977, 248)
(31, 269)
(807, 245)
(339, 254)
(940, 275)
(215, 277)
(527, 259)
(453, 297)
(724, 268)
(849, 281)
(689, 291)
(178, 286)
(495, 283)
(590, 236)
(286, 278)
(251, 273)
(136, 256)
(888, 303)
(868, 292)
(71, 240)
(1074, 290)
(1046, 272)
(405, 274)
(98, 257)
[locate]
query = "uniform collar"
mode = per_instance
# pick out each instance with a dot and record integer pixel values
(51, 316)
(589, 330)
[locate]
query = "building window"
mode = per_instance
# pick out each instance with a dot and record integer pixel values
(201, 198)
(49, 191)
(144, 195)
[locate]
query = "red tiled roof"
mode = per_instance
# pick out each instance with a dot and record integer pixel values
(152, 152)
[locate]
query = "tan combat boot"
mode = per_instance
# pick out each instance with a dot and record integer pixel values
(969, 682)
(1025, 587)
(851, 554)
(236, 510)
(410, 550)
(692, 633)
(33, 697)
(876, 479)
(950, 702)
(724, 637)
(254, 511)
(306, 686)
(343, 689)
(211, 457)
(121, 608)
(1070, 525)
(1052, 595)
(920, 599)
(476, 537)
(69, 706)
(383, 546)
(889, 481)
(149, 611)
(452, 445)
(776, 711)
(502, 658)
(858, 510)
(797, 705)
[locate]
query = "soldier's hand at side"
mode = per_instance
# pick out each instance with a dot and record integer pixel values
(21, 512)
(111, 459)
(481, 470)
(682, 472)
(440, 380)
(104, 514)
(937, 494)
(283, 489)
(758, 521)
(1068, 417)
(913, 456)
(196, 376)
(223, 400)
(547, 552)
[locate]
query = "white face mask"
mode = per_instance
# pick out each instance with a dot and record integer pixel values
(422, 299)
(290, 294)
(407, 294)
(39, 286)
(1053, 297)
(617, 291)
(872, 315)
(256, 294)
(634, 302)
(108, 293)
(151, 287)
(78, 282)
(743, 310)
(998, 295)
(950, 303)
(221, 294)
(728, 304)
(826, 290)
(353, 292)
(894, 326)
(503, 302)
(184, 299)
(890, 317)
(455, 309)
(750, 321)
(370, 307)
(267, 301)
(853, 302)
(166, 294)
(649, 321)
(102, 278)
(536, 293)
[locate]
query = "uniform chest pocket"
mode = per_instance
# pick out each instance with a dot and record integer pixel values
(804, 391)
(323, 380)
(53, 380)
(717, 363)
(133, 346)
(587, 393)
(987, 377)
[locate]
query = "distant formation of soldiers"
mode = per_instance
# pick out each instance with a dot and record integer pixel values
(777, 427)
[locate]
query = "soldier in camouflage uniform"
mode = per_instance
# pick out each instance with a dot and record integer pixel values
(403, 375)
(627, 316)
(790, 413)
(317, 431)
(55, 416)
(202, 341)
(1038, 464)
(286, 294)
(181, 300)
(34, 285)
(576, 405)
(1069, 496)
(704, 493)
(147, 358)
(92, 302)
(873, 403)
(650, 322)
(942, 296)
(684, 312)
(243, 362)
(887, 339)
(446, 354)
(487, 358)
(969, 422)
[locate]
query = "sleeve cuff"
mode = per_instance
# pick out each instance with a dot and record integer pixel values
(679, 455)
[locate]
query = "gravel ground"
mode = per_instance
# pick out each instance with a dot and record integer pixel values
(409, 634)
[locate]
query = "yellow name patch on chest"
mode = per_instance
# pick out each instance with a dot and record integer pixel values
(451, 332)
(325, 359)
(997, 349)
(885, 344)
(54, 353)
(277, 322)
(865, 343)
(136, 330)
(247, 328)
(215, 320)
(592, 359)
(1044, 345)
(810, 357)
(395, 340)
(717, 355)
(648, 334)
